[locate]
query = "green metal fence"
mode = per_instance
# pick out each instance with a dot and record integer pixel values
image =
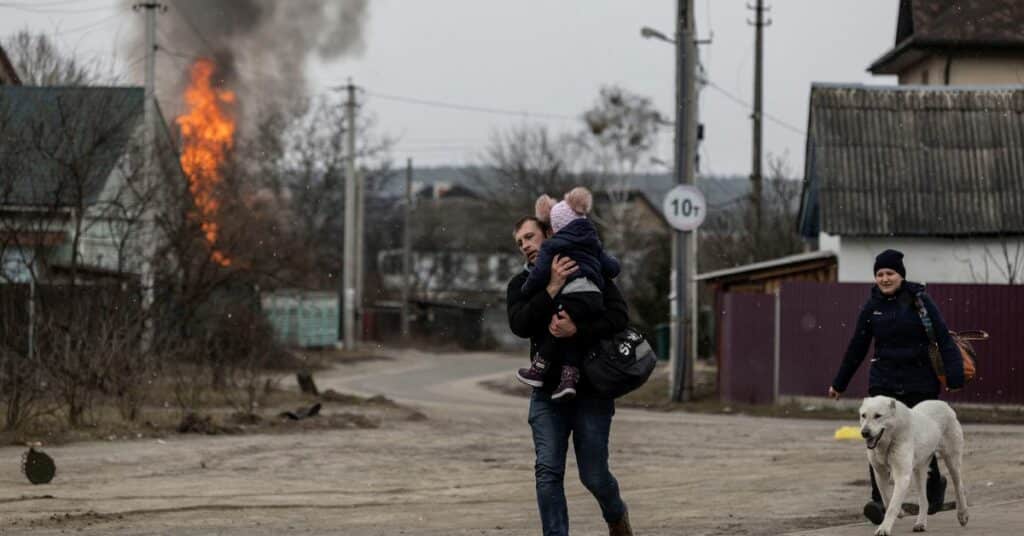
(302, 318)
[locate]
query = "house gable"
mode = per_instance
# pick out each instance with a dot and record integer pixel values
(929, 27)
(58, 146)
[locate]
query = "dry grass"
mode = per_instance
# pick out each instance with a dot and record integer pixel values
(161, 415)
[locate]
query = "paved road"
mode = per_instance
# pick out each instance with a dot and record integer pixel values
(467, 470)
(1005, 518)
(454, 382)
(447, 381)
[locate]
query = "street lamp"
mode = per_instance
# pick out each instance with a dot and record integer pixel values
(650, 33)
(684, 250)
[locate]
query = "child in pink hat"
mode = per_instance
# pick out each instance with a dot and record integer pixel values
(575, 236)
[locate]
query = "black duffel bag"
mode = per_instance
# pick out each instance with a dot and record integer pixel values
(619, 364)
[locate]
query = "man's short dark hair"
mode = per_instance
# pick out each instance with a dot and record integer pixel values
(544, 226)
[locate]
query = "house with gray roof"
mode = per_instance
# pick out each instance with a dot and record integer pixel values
(956, 42)
(936, 172)
(72, 181)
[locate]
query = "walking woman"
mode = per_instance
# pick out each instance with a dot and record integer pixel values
(901, 367)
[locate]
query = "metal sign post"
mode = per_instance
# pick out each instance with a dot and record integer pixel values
(685, 209)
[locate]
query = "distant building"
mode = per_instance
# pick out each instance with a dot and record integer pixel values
(935, 172)
(946, 42)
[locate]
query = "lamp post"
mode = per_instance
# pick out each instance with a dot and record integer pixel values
(684, 250)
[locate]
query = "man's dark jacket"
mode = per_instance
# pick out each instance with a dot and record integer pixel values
(901, 363)
(530, 315)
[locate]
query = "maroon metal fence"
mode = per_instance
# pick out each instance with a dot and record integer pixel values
(816, 321)
(746, 359)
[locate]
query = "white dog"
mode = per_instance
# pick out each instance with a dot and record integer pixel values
(900, 444)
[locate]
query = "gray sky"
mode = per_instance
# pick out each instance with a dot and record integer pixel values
(549, 57)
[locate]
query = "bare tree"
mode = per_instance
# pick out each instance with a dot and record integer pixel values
(621, 131)
(1004, 260)
(253, 354)
(618, 134)
(519, 165)
(89, 348)
(74, 191)
(40, 62)
(297, 166)
(730, 236)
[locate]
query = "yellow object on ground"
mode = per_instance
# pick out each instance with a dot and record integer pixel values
(848, 432)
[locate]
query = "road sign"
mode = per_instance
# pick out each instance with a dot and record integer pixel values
(684, 207)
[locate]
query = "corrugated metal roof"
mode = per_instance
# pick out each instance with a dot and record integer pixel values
(914, 160)
(764, 265)
(58, 145)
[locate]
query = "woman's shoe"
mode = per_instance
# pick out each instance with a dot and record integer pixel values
(875, 512)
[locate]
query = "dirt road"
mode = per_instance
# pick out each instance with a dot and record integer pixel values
(468, 470)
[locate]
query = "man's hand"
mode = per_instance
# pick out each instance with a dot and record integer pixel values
(561, 269)
(561, 325)
(832, 393)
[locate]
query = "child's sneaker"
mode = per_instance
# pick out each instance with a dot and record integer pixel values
(533, 376)
(567, 387)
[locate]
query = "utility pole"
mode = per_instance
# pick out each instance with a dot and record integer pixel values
(680, 388)
(756, 177)
(150, 181)
(407, 251)
(31, 313)
(360, 251)
(349, 260)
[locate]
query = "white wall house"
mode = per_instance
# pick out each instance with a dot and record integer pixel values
(932, 260)
(936, 172)
(935, 167)
(70, 177)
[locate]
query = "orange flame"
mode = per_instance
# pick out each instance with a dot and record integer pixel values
(207, 134)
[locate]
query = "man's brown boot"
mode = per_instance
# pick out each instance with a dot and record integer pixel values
(620, 527)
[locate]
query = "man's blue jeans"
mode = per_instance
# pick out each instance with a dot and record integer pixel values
(588, 421)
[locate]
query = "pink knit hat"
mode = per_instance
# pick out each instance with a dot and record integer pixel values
(576, 204)
(561, 215)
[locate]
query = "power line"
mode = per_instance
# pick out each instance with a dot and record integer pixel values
(195, 30)
(462, 150)
(35, 8)
(710, 83)
(93, 24)
(125, 72)
(471, 108)
(36, 3)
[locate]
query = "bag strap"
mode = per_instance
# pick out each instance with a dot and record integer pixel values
(922, 311)
(933, 350)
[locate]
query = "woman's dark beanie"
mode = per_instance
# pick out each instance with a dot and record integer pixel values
(892, 260)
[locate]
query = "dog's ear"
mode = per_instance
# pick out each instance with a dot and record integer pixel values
(892, 403)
